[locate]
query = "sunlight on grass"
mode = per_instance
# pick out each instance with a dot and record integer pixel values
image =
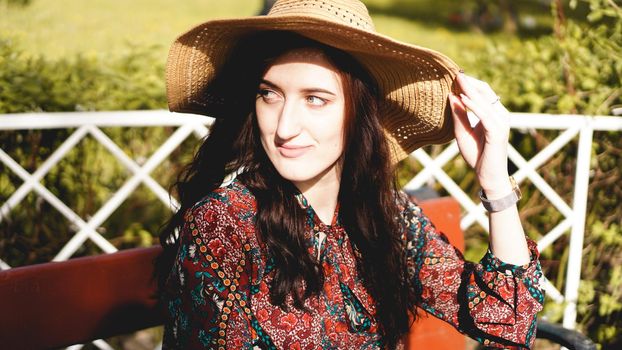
(108, 27)
(452, 44)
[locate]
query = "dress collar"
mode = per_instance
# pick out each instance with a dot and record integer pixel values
(315, 219)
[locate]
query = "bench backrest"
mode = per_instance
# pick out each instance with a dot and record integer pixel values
(58, 304)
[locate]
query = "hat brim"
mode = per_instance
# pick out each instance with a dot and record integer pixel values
(414, 81)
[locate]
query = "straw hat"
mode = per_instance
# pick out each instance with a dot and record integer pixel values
(414, 81)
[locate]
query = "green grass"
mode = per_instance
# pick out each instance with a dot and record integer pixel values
(63, 28)
(452, 43)
(108, 28)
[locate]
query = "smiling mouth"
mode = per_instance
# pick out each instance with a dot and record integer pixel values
(293, 151)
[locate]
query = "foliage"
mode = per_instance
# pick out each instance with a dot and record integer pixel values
(576, 70)
(16, 2)
(106, 28)
(574, 67)
(88, 175)
(28, 83)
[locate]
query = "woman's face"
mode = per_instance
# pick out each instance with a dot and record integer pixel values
(300, 109)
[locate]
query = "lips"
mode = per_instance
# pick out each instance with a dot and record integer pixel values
(292, 151)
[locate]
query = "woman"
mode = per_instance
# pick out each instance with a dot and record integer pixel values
(291, 232)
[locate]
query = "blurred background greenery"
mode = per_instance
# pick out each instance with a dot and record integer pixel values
(547, 56)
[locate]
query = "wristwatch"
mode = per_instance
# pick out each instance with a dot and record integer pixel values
(504, 202)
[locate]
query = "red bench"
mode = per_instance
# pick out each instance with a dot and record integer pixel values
(63, 303)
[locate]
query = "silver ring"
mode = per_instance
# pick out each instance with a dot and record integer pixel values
(497, 99)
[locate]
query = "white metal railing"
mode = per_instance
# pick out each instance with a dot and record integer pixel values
(89, 123)
(574, 219)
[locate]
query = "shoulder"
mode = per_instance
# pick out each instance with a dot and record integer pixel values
(411, 212)
(225, 211)
(232, 199)
(215, 236)
(414, 220)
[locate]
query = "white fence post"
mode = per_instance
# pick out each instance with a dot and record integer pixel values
(579, 206)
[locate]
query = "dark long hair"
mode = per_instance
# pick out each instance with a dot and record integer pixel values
(368, 198)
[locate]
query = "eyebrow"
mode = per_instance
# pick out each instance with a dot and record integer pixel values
(307, 90)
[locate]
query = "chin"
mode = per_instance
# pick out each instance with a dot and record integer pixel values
(300, 173)
(309, 168)
(303, 171)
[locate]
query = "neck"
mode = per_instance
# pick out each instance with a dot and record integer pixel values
(322, 193)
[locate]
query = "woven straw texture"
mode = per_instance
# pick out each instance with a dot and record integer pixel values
(414, 81)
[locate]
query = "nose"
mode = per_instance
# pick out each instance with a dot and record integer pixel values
(289, 125)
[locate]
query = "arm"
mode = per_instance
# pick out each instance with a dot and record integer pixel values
(493, 302)
(209, 279)
(484, 148)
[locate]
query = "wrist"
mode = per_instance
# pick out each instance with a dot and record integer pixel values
(500, 199)
(498, 189)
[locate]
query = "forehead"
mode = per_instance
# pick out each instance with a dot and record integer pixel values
(303, 55)
(304, 65)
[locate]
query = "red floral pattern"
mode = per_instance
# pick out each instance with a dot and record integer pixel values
(221, 280)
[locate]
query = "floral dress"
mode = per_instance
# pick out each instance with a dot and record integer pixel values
(222, 278)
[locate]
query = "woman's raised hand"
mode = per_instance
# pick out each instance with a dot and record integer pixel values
(484, 145)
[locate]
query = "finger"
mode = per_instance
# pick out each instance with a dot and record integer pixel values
(482, 87)
(469, 138)
(477, 90)
(463, 125)
(482, 111)
(484, 90)
(493, 115)
(461, 118)
(494, 129)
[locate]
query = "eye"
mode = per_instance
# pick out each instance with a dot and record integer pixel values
(267, 95)
(316, 101)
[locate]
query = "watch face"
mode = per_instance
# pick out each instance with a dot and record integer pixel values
(513, 182)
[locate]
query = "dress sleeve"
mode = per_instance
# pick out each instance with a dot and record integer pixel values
(493, 302)
(210, 275)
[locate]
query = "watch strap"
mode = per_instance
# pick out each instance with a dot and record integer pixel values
(503, 203)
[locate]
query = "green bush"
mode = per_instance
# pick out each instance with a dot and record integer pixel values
(28, 83)
(577, 69)
(16, 2)
(88, 175)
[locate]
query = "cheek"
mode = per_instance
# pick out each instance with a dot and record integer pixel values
(263, 126)
(339, 143)
(264, 123)
(339, 134)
